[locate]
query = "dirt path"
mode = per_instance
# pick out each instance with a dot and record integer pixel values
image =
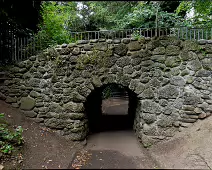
(43, 148)
(189, 149)
(116, 149)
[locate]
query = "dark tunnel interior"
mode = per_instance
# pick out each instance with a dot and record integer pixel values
(117, 117)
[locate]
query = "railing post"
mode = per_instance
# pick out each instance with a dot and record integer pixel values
(211, 33)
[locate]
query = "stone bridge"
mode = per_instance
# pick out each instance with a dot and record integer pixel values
(169, 81)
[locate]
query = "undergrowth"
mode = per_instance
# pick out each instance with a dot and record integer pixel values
(9, 138)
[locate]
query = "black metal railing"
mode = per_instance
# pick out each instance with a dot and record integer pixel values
(180, 32)
(17, 47)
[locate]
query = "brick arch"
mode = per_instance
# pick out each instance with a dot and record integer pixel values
(171, 78)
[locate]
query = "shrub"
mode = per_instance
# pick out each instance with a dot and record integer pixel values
(9, 138)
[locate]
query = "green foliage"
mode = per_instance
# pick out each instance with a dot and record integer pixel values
(61, 18)
(97, 58)
(9, 139)
(55, 18)
(202, 13)
(203, 51)
(108, 90)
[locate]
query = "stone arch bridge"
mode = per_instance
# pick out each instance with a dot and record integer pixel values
(171, 80)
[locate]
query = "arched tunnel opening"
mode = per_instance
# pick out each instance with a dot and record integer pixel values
(111, 107)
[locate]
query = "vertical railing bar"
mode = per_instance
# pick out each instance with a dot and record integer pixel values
(34, 44)
(202, 34)
(21, 49)
(182, 33)
(11, 43)
(178, 32)
(15, 48)
(198, 35)
(18, 42)
(32, 41)
(24, 48)
(206, 34)
(40, 47)
(190, 33)
(211, 33)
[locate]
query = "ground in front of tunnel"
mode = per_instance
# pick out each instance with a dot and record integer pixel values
(119, 149)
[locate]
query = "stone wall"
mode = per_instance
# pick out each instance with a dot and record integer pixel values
(172, 80)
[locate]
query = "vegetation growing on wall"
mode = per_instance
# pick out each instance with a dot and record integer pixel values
(98, 58)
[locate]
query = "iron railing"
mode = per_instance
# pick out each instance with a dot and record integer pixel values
(14, 48)
(180, 32)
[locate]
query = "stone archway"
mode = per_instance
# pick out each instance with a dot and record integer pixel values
(98, 121)
(170, 77)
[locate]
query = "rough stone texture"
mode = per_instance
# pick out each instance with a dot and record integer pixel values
(171, 78)
(27, 103)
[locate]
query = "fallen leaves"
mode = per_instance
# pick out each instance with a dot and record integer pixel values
(81, 159)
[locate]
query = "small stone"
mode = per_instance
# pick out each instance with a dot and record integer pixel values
(198, 110)
(84, 142)
(189, 120)
(188, 108)
(82, 41)
(30, 114)
(94, 40)
(202, 115)
(73, 107)
(202, 41)
(1, 167)
(120, 49)
(38, 120)
(177, 124)
(159, 50)
(2, 96)
(116, 41)
(64, 45)
(76, 51)
(172, 50)
(34, 94)
(125, 40)
(168, 92)
(15, 105)
(11, 99)
(186, 125)
(149, 118)
(109, 41)
(103, 46)
(134, 46)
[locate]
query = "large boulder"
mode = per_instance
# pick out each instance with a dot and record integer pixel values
(27, 103)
